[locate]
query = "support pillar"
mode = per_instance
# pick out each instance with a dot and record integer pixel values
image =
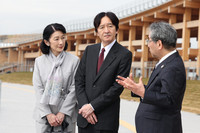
(186, 35)
(144, 57)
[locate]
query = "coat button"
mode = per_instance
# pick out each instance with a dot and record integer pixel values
(94, 86)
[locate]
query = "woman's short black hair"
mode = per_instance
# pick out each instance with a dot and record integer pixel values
(48, 31)
(110, 15)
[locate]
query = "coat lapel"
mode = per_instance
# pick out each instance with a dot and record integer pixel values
(108, 60)
(160, 67)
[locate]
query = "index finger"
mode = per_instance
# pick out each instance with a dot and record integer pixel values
(120, 77)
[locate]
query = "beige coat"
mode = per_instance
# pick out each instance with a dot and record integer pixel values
(68, 102)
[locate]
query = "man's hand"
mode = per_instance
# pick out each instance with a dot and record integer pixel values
(129, 83)
(86, 110)
(92, 119)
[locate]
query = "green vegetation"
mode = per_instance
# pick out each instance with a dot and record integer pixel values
(191, 102)
(17, 77)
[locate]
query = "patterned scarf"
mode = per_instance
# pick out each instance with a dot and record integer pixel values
(52, 92)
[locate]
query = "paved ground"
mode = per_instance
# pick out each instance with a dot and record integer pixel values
(17, 103)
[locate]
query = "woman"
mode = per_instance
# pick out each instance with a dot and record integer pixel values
(53, 81)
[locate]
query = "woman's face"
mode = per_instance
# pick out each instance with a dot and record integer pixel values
(56, 42)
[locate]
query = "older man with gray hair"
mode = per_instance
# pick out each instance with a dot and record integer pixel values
(161, 99)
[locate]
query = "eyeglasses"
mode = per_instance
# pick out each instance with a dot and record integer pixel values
(148, 41)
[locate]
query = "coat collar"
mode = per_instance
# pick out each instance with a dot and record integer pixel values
(160, 67)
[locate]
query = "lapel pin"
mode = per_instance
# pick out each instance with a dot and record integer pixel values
(162, 66)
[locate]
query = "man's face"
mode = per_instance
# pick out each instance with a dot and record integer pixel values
(153, 48)
(106, 31)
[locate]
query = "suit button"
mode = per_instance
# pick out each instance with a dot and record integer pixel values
(94, 86)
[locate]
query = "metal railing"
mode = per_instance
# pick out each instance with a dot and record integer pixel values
(121, 12)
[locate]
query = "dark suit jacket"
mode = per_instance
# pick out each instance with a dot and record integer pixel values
(159, 111)
(101, 90)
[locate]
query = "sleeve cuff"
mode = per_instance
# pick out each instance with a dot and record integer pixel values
(91, 106)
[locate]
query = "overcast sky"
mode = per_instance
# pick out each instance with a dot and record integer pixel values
(29, 16)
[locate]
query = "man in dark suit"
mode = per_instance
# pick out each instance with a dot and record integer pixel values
(161, 99)
(96, 89)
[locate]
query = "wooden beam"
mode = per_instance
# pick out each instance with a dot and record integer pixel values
(176, 10)
(69, 38)
(124, 43)
(79, 37)
(147, 19)
(135, 23)
(178, 26)
(34, 46)
(161, 15)
(191, 4)
(124, 27)
(193, 24)
(137, 43)
(89, 36)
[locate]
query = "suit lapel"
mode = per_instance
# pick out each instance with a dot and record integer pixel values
(160, 67)
(108, 60)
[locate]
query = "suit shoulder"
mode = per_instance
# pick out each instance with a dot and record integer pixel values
(124, 50)
(93, 46)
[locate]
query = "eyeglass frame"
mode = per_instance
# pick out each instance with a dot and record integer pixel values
(148, 41)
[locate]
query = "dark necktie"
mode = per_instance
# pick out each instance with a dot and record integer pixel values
(100, 60)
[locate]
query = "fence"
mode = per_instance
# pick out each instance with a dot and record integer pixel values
(190, 72)
(16, 68)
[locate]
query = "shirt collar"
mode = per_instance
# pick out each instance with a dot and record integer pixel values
(165, 57)
(108, 47)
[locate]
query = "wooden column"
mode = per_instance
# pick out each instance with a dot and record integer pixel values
(88, 41)
(120, 36)
(144, 57)
(172, 19)
(186, 35)
(97, 40)
(132, 36)
(12, 55)
(198, 55)
(77, 47)
(69, 46)
(3, 56)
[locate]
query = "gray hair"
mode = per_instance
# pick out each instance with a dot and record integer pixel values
(164, 32)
